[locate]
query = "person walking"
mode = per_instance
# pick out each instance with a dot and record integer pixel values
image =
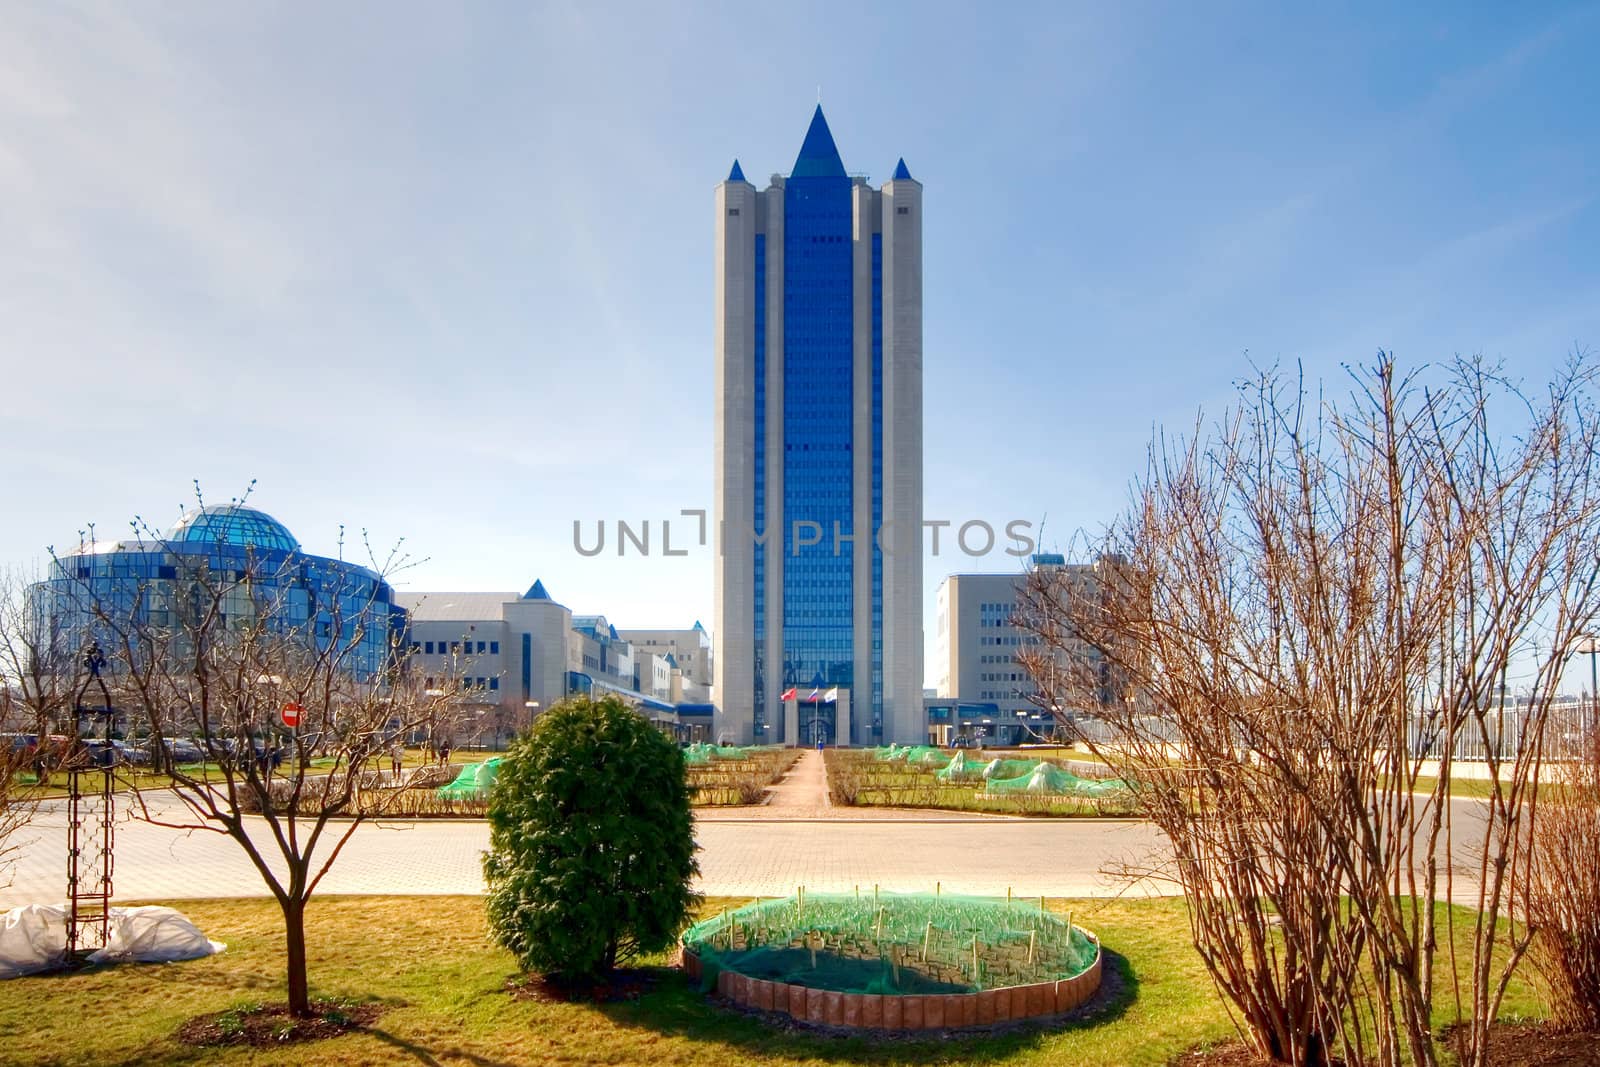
(397, 758)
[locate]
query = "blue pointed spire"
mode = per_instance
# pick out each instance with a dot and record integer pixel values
(736, 175)
(819, 157)
(900, 171)
(536, 591)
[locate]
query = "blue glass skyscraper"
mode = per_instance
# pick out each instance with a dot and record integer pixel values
(819, 454)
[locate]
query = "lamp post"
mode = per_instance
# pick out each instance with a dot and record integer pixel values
(1589, 646)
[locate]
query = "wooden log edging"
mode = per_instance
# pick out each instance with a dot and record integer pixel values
(935, 1011)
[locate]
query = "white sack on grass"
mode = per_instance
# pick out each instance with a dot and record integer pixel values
(34, 938)
(153, 935)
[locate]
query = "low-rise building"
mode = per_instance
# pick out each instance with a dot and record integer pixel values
(982, 691)
(521, 654)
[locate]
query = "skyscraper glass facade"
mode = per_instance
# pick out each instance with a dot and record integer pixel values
(818, 471)
(818, 419)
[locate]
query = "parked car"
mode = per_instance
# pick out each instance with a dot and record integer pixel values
(183, 750)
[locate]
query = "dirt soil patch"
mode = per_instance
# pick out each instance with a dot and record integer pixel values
(1540, 1045)
(271, 1025)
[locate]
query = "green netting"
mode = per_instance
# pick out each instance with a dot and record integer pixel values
(473, 781)
(701, 753)
(1047, 779)
(891, 943)
(1009, 768)
(960, 769)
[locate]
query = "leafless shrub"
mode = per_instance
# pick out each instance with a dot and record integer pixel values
(1563, 897)
(1287, 609)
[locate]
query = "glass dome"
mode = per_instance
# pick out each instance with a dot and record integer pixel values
(233, 524)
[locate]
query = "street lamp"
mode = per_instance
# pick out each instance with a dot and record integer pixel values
(1589, 646)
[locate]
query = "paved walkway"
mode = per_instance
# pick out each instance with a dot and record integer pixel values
(802, 796)
(899, 852)
(766, 856)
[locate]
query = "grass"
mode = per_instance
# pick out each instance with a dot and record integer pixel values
(429, 962)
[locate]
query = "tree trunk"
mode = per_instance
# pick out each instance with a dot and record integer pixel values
(294, 928)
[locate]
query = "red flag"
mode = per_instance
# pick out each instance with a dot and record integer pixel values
(788, 694)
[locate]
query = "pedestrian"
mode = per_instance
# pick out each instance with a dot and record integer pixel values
(444, 752)
(397, 758)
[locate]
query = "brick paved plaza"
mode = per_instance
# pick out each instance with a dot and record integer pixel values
(795, 839)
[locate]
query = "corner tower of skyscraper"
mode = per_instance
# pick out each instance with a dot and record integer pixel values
(819, 454)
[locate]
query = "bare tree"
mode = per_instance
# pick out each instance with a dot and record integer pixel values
(1300, 606)
(17, 801)
(292, 680)
(38, 668)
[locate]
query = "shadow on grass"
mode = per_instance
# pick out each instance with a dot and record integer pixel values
(676, 1008)
(430, 1057)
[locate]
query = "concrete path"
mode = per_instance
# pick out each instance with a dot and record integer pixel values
(803, 792)
(748, 857)
(737, 858)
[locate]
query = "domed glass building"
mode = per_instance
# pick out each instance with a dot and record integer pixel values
(247, 555)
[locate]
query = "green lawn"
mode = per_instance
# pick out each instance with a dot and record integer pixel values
(428, 960)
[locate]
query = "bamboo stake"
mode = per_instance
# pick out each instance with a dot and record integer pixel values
(926, 937)
(1033, 936)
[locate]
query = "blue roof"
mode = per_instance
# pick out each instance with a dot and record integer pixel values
(736, 175)
(900, 171)
(233, 524)
(536, 591)
(819, 157)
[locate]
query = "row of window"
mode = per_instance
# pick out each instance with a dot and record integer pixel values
(454, 648)
(469, 684)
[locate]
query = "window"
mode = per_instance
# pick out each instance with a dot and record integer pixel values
(902, 211)
(480, 648)
(494, 683)
(428, 647)
(733, 212)
(494, 648)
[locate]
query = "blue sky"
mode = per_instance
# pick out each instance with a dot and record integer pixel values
(445, 272)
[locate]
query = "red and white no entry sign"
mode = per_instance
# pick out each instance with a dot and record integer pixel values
(291, 714)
